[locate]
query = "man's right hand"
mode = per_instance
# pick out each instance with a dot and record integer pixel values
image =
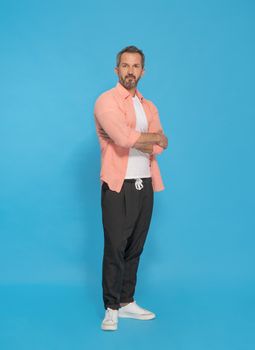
(163, 142)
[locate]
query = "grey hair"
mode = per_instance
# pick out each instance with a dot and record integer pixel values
(131, 49)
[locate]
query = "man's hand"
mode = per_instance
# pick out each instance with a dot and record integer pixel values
(104, 135)
(163, 140)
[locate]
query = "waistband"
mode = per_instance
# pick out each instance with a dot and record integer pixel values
(145, 179)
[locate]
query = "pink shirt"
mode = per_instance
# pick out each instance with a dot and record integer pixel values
(115, 113)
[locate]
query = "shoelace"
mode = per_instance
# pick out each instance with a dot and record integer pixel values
(110, 315)
(139, 184)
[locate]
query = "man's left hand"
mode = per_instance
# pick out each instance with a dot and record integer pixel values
(104, 135)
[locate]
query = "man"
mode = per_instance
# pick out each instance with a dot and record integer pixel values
(130, 137)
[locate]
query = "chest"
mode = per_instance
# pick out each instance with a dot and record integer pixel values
(137, 114)
(141, 119)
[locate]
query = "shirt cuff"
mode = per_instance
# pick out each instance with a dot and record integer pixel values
(157, 149)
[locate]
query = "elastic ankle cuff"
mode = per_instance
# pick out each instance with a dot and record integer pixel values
(113, 307)
(127, 301)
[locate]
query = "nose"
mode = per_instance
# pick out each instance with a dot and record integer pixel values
(130, 70)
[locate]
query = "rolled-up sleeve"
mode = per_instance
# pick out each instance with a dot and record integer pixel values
(155, 126)
(112, 120)
(156, 149)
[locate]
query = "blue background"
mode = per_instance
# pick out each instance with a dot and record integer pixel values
(197, 268)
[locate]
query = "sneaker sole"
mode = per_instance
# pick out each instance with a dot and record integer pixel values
(109, 327)
(136, 316)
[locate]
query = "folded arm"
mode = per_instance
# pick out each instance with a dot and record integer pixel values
(145, 142)
(114, 127)
(148, 142)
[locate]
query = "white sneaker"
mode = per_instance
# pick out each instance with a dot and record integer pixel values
(110, 322)
(132, 310)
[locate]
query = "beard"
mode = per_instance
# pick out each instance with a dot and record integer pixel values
(129, 81)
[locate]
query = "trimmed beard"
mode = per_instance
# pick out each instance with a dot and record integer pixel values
(128, 83)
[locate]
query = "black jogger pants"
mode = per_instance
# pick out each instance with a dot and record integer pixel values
(126, 219)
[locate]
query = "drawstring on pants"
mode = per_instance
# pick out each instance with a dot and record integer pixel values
(139, 184)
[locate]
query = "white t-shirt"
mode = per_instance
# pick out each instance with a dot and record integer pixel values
(138, 161)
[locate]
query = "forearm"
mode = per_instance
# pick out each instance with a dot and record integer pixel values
(147, 138)
(152, 143)
(145, 148)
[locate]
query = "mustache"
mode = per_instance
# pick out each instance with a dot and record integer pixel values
(130, 76)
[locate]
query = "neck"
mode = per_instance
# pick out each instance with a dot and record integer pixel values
(132, 91)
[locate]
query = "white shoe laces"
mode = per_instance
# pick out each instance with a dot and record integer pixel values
(139, 184)
(110, 315)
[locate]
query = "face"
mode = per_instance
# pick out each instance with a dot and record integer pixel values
(130, 69)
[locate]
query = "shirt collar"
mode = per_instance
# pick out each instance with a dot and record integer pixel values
(125, 93)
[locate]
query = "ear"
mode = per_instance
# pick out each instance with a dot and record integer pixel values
(116, 70)
(143, 72)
